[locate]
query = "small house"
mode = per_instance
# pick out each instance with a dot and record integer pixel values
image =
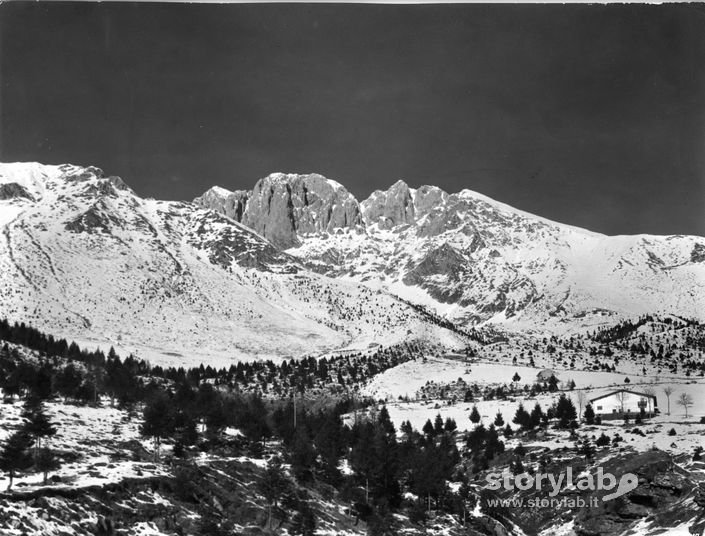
(624, 402)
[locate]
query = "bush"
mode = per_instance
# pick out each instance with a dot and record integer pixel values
(672, 432)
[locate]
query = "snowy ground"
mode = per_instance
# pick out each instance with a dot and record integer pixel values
(94, 436)
(408, 378)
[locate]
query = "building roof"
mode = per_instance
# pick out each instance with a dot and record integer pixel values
(622, 391)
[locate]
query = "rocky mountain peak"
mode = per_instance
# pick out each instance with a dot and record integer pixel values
(230, 203)
(283, 205)
(390, 208)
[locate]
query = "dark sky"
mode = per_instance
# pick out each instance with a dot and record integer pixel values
(589, 115)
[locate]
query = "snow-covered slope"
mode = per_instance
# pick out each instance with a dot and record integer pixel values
(83, 257)
(476, 260)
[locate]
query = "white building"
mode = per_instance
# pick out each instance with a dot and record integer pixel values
(624, 402)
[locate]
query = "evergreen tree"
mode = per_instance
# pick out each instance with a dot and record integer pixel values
(536, 416)
(15, 455)
(407, 429)
(589, 414)
(303, 455)
(216, 420)
(450, 426)
(37, 424)
(565, 411)
(273, 486)
(522, 418)
(428, 429)
(499, 420)
(438, 424)
(493, 445)
(158, 420)
(475, 415)
(553, 384)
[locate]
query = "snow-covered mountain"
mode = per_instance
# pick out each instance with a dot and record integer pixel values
(84, 257)
(471, 258)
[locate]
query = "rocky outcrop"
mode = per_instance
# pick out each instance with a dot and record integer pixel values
(282, 206)
(12, 190)
(391, 207)
(231, 204)
(428, 198)
(285, 205)
(662, 486)
(698, 253)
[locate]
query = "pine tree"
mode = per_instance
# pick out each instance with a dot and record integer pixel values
(522, 418)
(37, 424)
(499, 420)
(303, 455)
(15, 455)
(553, 384)
(272, 486)
(158, 420)
(450, 426)
(438, 424)
(589, 414)
(216, 420)
(428, 429)
(475, 415)
(565, 411)
(536, 416)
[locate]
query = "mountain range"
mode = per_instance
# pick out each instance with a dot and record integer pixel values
(470, 258)
(82, 256)
(298, 266)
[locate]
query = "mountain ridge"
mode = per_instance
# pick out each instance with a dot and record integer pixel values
(175, 283)
(517, 262)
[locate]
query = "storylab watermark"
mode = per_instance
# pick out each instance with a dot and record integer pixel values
(601, 481)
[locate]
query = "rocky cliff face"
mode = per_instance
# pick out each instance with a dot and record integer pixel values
(474, 259)
(283, 206)
(231, 204)
(390, 208)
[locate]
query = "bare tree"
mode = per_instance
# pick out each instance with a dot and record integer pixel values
(582, 398)
(622, 399)
(686, 401)
(652, 393)
(668, 391)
